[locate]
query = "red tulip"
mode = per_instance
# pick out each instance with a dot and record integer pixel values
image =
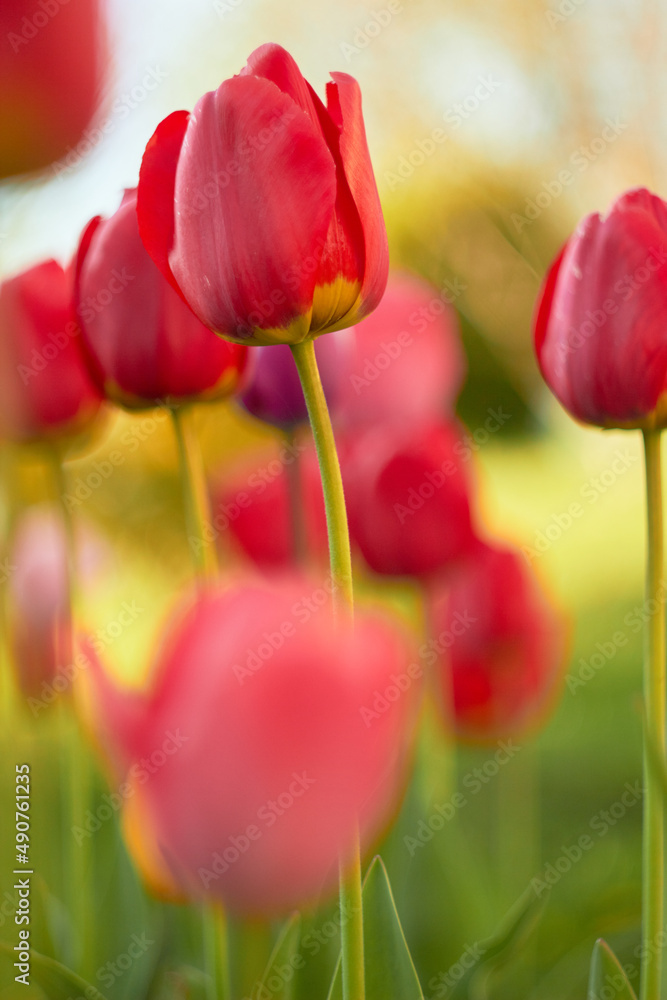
(261, 206)
(601, 319)
(407, 491)
(408, 363)
(499, 643)
(45, 388)
(260, 743)
(145, 345)
(51, 70)
(254, 506)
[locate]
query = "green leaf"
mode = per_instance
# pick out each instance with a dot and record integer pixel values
(389, 969)
(57, 981)
(275, 982)
(606, 972)
(517, 925)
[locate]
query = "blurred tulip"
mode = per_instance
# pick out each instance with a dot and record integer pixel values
(274, 394)
(45, 388)
(499, 643)
(407, 493)
(261, 206)
(258, 746)
(51, 70)
(39, 616)
(145, 346)
(408, 363)
(601, 319)
(255, 505)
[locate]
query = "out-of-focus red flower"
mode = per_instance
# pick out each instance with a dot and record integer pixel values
(601, 319)
(407, 492)
(273, 392)
(259, 744)
(499, 643)
(408, 363)
(39, 614)
(261, 206)
(52, 64)
(45, 388)
(145, 346)
(254, 506)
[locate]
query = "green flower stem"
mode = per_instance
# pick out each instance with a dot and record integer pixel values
(216, 949)
(352, 926)
(195, 496)
(332, 484)
(654, 697)
(76, 777)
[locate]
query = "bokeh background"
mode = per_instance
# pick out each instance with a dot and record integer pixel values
(516, 92)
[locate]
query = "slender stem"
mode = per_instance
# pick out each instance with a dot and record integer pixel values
(352, 924)
(295, 499)
(216, 952)
(654, 697)
(195, 496)
(332, 483)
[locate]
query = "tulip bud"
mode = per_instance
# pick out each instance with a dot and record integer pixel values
(273, 392)
(601, 318)
(407, 493)
(266, 735)
(145, 346)
(261, 206)
(45, 387)
(499, 644)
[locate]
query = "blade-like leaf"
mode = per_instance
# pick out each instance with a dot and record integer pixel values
(389, 969)
(57, 981)
(276, 982)
(606, 972)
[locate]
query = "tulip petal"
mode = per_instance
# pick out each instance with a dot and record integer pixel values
(155, 194)
(272, 62)
(344, 106)
(255, 190)
(599, 330)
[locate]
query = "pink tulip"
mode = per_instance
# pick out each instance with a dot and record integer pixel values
(601, 319)
(144, 345)
(261, 206)
(266, 733)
